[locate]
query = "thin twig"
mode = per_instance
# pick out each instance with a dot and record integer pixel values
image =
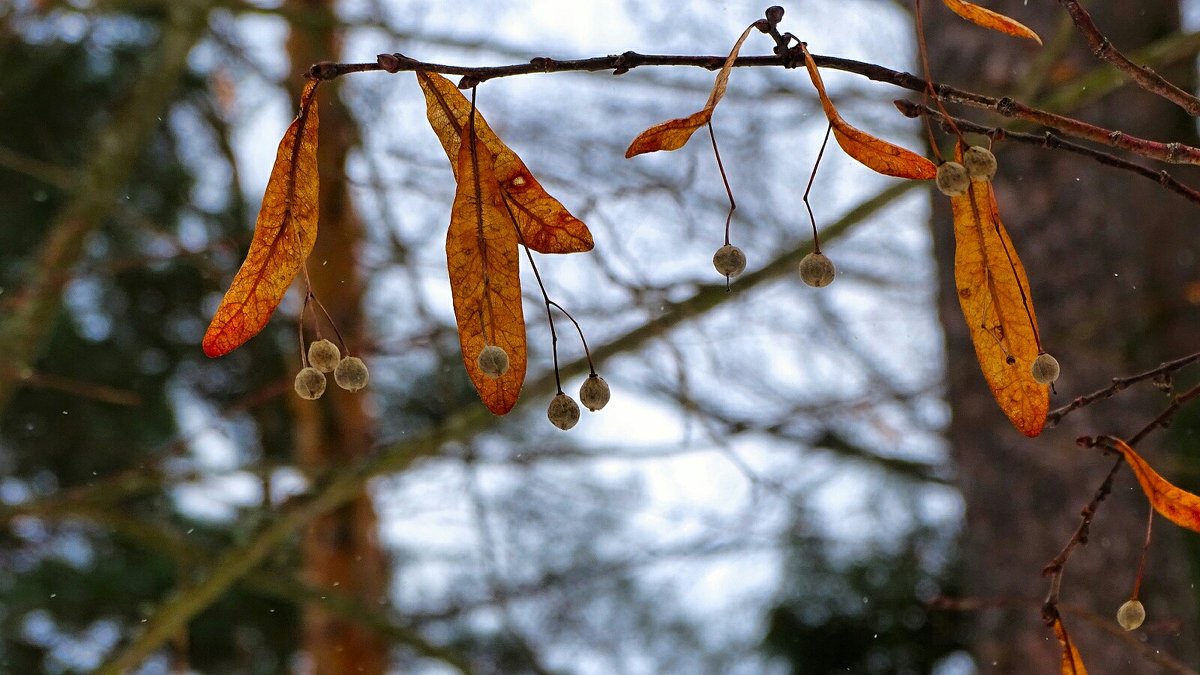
(1054, 569)
(1049, 139)
(1144, 77)
(1119, 383)
(1172, 153)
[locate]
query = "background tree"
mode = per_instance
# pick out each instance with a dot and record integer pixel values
(1073, 225)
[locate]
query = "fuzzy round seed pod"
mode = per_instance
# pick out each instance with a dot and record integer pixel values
(324, 355)
(817, 270)
(953, 179)
(1045, 369)
(980, 162)
(594, 393)
(310, 383)
(351, 374)
(563, 411)
(493, 361)
(729, 260)
(1131, 615)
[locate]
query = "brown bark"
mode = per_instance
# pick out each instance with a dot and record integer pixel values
(1109, 257)
(341, 548)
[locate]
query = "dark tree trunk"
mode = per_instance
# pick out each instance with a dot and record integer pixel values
(1109, 257)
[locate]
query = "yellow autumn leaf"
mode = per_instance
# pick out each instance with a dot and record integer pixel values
(993, 292)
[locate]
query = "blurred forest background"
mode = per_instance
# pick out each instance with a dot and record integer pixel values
(787, 480)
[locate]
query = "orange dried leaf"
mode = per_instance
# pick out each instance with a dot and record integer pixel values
(874, 153)
(1178, 506)
(1072, 662)
(993, 292)
(674, 134)
(986, 18)
(283, 236)
(545, 224)
(483, 260)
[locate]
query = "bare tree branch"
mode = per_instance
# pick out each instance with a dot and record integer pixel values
(345, 483)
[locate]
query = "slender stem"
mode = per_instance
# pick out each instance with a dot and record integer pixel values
(1012, 265)
(300, 328)
(332, 323)
(811, 177)
(546, 299)
(929, 91)
(485, 309)
(724, 179)
(586, 352)
(1137, 581)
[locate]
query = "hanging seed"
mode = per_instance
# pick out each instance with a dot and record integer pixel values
(1131, 615)
(493, 361)
(310, 383)
(594, 393)
(563, 411)
(953, 179)
(1045, 369)
(980, 163)
(351, 374)
(817, 270)
(324, 355)
(729, 261)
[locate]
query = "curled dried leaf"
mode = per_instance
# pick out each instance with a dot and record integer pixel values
(283, 236)
(993, 292)
(546, 225)
(981, 16)
(874, 153)
(674, 134)
(1176, 505)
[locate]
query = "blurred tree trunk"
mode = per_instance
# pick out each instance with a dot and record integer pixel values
(341, 548)
(1090, 237)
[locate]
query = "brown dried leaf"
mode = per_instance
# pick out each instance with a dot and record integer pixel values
(673, 134)
(545, 224)
(874, 153)
(283, 236)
